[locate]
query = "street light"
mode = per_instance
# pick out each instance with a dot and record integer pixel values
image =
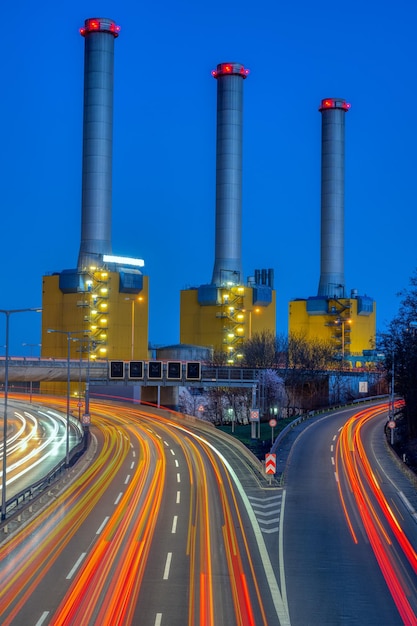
(132, 341)
(69, 334)
(31, 345)
(7, 313)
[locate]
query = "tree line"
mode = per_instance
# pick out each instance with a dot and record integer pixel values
(294, 377)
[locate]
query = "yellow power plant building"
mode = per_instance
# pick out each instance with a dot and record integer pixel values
(348, 323)
(223, 317)
(98, 314)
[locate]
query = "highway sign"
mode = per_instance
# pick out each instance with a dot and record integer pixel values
(270, 463)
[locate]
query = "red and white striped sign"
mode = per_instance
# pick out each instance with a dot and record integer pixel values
(270, 463)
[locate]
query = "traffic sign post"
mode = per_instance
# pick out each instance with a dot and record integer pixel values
(270, 464)
(272, 423)
(392, 425)
(254, 418)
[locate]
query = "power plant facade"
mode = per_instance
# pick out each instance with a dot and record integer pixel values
(229, 310)
(99, 310)
(348, 321)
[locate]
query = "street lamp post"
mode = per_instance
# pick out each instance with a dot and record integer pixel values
(7, 313)
(132, 317)
(69, 334)
(31, 345)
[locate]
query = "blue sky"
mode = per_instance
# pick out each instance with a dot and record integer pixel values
(164, 145)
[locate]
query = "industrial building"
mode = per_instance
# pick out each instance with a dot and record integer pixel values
(98, 310)
(346, 319)
(229, 310)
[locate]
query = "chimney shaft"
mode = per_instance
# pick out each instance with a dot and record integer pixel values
(228, 235)
(332, 276)
(99, 35)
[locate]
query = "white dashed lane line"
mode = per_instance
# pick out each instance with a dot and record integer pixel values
(167, 566)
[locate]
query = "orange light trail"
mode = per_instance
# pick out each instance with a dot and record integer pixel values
(378, 519)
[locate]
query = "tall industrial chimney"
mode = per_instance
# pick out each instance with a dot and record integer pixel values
(99, 34)
(228, 238)
(332, 276)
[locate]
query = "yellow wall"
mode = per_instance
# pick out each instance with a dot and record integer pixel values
(227, 324)
(73, 311)
(358, 334)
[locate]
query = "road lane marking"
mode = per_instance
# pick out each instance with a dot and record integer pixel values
(281, 556)
(178, 478)
(409, 506)
(118, 498)
(106, 519)
(42, 618)
(280, 601)
(158, 619)
(178, 497)
(336, 476)
(332, 460)
(267, 505)
(167, 566)
(331, 448)
(174, 524)
(172, 452)
(176, 463)
(166, 443)
(76, 566)
(134, 453)
(132, 465)
(127, 479)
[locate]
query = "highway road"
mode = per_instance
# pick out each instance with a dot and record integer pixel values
(169, 524)
(36, 442)
(349, 532)
(156, 530)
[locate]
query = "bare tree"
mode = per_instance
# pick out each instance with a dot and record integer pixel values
(306, 372)
(260, 350)
(399, 343)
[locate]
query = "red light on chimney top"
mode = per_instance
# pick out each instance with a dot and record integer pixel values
(102, 26)
(230, 69)
(334, 103)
